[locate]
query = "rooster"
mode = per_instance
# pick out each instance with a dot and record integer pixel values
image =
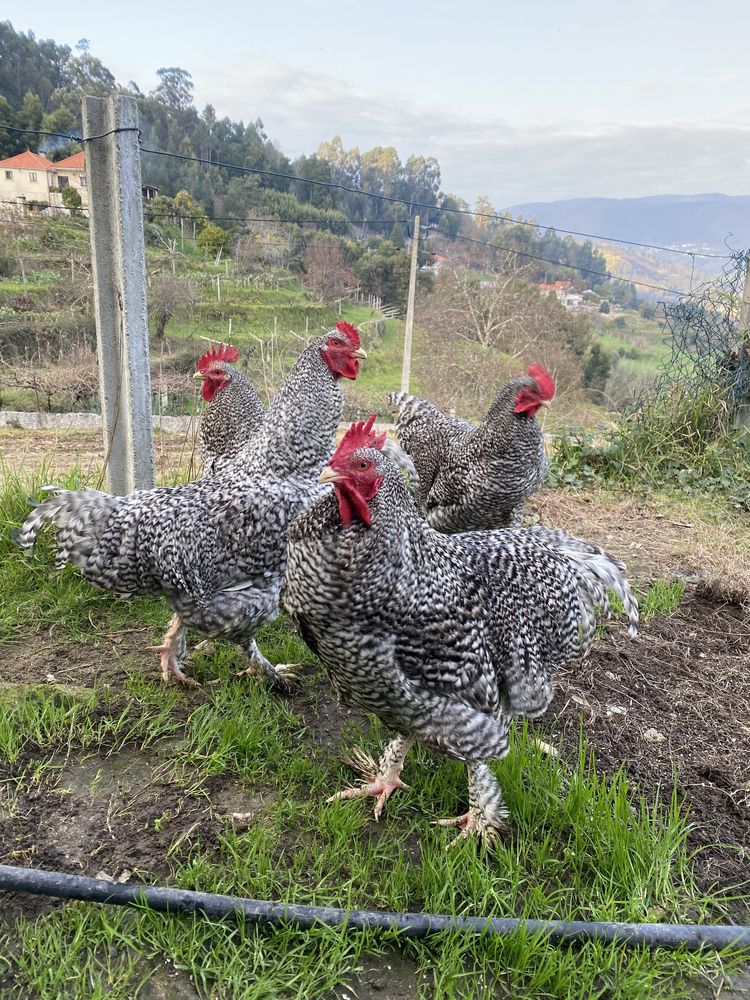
(233, 411)
(216, 547)
(446, 638)
(473, 478)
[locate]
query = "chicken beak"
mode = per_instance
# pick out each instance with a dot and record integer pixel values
(199, 375)
(360, 353)
(329, 475)
(546, 403)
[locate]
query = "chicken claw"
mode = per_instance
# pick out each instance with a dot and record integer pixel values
(487, 816)
(382, 778)
(172, 654)
(279, 678)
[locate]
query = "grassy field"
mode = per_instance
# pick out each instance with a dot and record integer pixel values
(222, 788)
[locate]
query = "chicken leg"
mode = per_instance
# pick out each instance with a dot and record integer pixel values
(487, 815)
(279, 678)
(172, 653)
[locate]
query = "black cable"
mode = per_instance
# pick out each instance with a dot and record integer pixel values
(415, 204)
(73, 138)
(560, 263)
(368, 194)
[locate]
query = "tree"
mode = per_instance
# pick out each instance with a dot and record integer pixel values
(31, 115)
(71, 199)
(449, 222)
(266, 244)
(481, 310)
(597, 369)
(385, 272)
(485, 208)
(169, 296)
(212, 239)
(327, 270)
(315, 169)
(175, 88)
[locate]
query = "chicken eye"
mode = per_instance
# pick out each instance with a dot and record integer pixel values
(335, 343)
(363, 465)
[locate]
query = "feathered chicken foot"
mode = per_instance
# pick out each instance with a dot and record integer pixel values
(487, 816)
(382, 778)
(279, 678)
(172, 653)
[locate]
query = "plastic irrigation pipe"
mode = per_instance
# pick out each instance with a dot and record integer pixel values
(167, 900)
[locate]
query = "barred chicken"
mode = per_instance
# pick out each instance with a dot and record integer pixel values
(233, 412)
(216, 547)
(446, 638)
(475, 478)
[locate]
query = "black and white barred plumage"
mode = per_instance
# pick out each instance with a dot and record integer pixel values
(473, 478)
(215, 547)
(230, 419)
(445, 638)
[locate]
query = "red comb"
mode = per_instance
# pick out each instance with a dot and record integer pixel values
(224, 352)
(350, 331)
(543, 380)
(358, 436)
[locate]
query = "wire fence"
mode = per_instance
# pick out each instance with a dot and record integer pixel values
(710, 342)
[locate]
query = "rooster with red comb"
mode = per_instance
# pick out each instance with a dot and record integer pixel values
(233, 411)
(446, 638)
(473, 478)
(216, 547)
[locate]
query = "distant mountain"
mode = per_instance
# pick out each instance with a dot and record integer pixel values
(693, 222)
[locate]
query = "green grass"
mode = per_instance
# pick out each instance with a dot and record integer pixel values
(661, 598)
(582, 844)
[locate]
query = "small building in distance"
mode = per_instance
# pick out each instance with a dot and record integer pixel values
(32, 178)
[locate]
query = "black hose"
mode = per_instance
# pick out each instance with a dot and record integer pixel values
(167, 900)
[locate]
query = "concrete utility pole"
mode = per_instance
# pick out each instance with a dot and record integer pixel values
(742, 420)
(408, 326)
(113, 172)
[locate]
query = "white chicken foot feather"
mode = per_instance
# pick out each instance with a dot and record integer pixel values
(279, 678)
(487, 816)
(382, 778)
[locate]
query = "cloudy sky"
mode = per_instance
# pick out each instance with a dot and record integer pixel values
(521, 101)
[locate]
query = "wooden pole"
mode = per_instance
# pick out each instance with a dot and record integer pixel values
(408, 326)
(118, 257)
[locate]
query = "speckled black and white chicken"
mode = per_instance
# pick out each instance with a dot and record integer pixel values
(216, 547)
(477, 477)
(446, 638)
(233, 412)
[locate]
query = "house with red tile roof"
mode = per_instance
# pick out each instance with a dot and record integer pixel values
(31, 177)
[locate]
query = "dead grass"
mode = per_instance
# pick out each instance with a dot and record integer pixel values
(659, 537)
(60, 451)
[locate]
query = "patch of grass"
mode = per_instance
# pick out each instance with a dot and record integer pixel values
(661, 598)
(581, 848)
(58, 718)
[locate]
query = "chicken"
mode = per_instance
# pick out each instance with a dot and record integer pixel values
(474, 478)
(446, 638)
(233, 412)
(216, 547)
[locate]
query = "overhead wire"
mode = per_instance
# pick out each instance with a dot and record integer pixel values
(559, 263)
(387, 198)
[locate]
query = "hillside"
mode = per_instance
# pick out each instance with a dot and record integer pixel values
(694, 222)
